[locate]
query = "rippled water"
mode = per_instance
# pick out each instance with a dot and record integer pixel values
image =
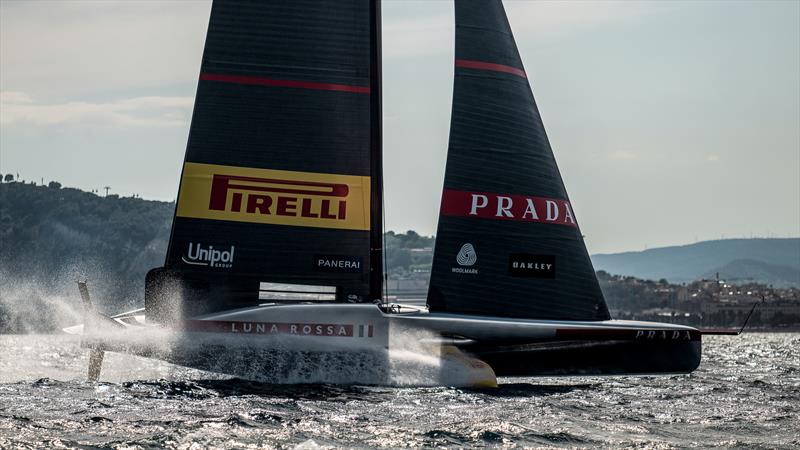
(745, 394)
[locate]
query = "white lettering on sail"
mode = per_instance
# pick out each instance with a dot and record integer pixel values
(338, 263)
(504, 205)
(196, 255)
(531, 209)
(568, 214)
(532, 265)
(484, 200)
(552, 210)
(507, 207)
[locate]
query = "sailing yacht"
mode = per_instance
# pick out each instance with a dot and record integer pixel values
(276, 244)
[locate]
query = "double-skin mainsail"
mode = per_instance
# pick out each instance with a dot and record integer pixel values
(508, 242)
(280, 194)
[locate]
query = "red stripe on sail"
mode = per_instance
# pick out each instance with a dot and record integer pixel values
(485, 205)
(482, 65)
(259, 81)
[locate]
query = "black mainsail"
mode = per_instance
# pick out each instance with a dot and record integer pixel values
(280, 191)
(508, 243)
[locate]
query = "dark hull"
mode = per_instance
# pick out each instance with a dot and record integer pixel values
(594, 358)
(269, 361)
(342, 343)
(288, 366)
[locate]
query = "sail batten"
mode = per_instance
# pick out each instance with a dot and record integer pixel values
(508, 242)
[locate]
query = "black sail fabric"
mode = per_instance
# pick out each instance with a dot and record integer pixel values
(507, 243)
(276, 184)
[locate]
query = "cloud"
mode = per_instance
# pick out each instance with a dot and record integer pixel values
(530, 20)
(622, 155)
(554, 19)
(58, 49)
(17, 108)
(14, 97)
(712, 158)
(78, 47)
(418, 36)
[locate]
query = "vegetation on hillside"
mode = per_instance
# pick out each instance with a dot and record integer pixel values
(51, 237)
(774, 261)
(403, 255)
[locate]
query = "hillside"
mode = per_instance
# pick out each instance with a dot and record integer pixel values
(772, 261)
(50, 237)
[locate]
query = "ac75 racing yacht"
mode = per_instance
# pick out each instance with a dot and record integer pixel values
(275, 257)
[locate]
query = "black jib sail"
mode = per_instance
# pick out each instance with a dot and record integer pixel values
(508, 243)
(280, 193)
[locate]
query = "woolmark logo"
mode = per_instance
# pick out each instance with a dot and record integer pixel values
(466, 258)
(211, 257)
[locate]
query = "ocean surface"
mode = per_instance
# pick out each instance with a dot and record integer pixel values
(746, 394)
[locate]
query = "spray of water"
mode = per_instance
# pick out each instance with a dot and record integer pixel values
(47, 301)
(410, 359)
(413, 360)
(29, 307)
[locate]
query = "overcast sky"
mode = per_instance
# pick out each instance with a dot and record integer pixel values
(671, 122)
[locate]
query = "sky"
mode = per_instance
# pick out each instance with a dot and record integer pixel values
(672, 122)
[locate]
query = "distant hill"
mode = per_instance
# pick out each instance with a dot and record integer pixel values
(51, 236)
(752, 270)
(771, 261)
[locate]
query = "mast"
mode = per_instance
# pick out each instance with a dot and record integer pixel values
(376, 149)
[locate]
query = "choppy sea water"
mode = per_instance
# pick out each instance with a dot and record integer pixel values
(745, 394)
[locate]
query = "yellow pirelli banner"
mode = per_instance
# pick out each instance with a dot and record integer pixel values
(279, 197)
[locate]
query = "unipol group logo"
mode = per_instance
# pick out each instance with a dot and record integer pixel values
(274, 197)
(466, 258)
(196, 255)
